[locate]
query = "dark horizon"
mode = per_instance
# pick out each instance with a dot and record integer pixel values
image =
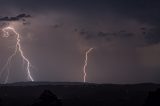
(28, 83)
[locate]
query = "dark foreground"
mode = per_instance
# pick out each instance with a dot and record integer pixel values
(78, 94)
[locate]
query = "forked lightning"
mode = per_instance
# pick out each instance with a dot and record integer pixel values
(85, 64)
(17, 49)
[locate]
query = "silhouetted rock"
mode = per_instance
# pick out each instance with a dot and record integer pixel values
(47, 98)
(153, 98)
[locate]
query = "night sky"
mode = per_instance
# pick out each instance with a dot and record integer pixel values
(55, 35)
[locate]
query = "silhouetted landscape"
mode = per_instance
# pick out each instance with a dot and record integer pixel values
(79, 52)
(78, 94)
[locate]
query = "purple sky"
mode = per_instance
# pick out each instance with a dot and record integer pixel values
(55, 34)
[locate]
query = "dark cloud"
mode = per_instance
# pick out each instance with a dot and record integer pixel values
(16, 18)
(57, 26)
(152, 36)
(148, 36)
(107, 36)
(26, 23)
(142, 11)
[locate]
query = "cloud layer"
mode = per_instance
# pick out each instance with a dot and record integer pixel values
(125, 35)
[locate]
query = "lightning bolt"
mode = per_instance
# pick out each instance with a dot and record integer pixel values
(85, 64)
(18, 49)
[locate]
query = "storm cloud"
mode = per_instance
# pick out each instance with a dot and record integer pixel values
(125, 35)
(16, 18)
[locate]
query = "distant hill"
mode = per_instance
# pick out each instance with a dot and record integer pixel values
(45, 83)
(73, 83)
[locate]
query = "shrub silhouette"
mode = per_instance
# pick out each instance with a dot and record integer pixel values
(153, 98)
(47, 98)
